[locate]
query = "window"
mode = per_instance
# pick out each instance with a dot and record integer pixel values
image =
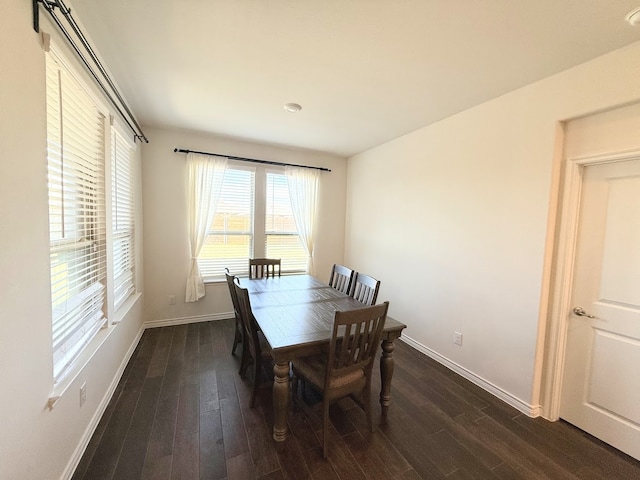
(123, 218)
(281, 234)
(229, 242)
(253, 219)
(77, 226)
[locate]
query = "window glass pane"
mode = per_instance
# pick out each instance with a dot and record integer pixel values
(282, 239)
(279, 216)
(123, 219)
(230, 240)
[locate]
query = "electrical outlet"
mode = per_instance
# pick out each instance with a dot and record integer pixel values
(83, 393)
(172, 299)
(457, 338)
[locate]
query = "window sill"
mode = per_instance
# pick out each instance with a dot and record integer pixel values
(65, 382)
(123, 311)
(216, 280)
(62, 386)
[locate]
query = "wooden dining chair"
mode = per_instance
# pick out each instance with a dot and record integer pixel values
(365, 288)
(239, 329)
(259, 348)
(264, 267)
(341, 278)
(346, 369)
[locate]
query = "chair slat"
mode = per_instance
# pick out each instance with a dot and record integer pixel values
(264, 267)
(341, 278)
(365, 289)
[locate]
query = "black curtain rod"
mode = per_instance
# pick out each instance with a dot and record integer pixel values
(254, 160)
(50, 6)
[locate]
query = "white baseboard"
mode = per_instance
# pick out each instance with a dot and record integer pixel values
(515, 402)
(168, 322)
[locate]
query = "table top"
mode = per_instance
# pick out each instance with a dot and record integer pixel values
(296, 312)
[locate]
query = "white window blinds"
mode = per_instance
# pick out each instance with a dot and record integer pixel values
(123, 218)
(75, 157)
(230, 239)
(281, 235)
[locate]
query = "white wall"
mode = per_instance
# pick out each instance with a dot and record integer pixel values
(462, 222)
(37, 443)
(166, 245)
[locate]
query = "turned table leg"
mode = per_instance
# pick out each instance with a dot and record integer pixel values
(280, 400)
(386, 372)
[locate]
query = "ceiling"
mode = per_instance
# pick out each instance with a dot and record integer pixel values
(364, 71)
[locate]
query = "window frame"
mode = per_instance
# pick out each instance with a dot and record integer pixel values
(259, 235)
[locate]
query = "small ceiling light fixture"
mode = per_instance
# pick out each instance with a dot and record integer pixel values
(633, 17)
(292, 107)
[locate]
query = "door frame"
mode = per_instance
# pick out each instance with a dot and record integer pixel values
(562, 273)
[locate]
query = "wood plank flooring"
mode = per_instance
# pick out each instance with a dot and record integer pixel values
(181, 411)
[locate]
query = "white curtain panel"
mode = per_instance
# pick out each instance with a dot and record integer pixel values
(206, 174)
(303, 192)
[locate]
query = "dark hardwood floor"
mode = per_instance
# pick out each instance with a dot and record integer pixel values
(181, 411)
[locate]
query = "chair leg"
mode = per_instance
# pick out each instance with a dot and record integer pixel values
(245, 360)
(256, 382)
(367, 406)
(303, 384)
(294, 391)
(325, 429)
(236, 339)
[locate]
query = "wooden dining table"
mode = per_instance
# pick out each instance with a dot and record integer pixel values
(295, 314)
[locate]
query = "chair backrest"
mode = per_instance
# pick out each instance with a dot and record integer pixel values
(365, 288)
(354, 342)
(248, 321)
(341, 278)
(232, 291)
(264, 267)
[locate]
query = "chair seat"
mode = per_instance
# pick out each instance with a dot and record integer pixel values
(314, 369)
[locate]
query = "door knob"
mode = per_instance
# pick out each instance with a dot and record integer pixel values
(579, 311)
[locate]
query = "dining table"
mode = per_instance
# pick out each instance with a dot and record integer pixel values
(296, 313)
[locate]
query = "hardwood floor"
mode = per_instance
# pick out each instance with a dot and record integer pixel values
(181, 411)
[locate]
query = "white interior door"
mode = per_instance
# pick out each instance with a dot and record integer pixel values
(601, 380)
